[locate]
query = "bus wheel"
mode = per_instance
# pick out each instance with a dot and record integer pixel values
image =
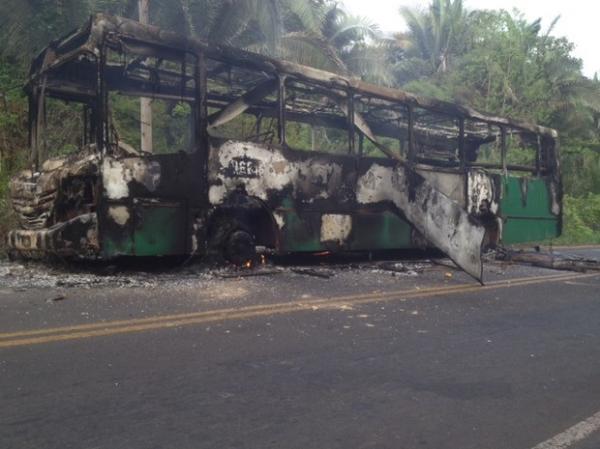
(13, 256)
(240, 249)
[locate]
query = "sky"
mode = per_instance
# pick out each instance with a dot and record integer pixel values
(578, 21)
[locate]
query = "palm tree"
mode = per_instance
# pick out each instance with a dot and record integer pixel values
(435, 35)
(313, 32)
(26, 26)
(340, 42)
(240, 23)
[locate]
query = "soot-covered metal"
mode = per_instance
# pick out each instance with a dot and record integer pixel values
(279, 156)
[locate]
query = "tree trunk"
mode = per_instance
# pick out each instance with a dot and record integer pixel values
(145, 103)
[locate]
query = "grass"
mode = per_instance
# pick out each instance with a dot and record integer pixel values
(581, 221)
(8, 220)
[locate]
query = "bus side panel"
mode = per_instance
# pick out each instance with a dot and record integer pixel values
(380, 230)
(299, 232)
(311, 194)
(159, 228)
(145, 205)
(527, 211)
(116, 229)
(370, 231)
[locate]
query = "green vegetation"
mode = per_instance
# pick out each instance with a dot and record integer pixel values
(13, 137)
(499, 62)
(582, 220)
(496, 61)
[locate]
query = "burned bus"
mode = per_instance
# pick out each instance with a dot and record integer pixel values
(246, 151)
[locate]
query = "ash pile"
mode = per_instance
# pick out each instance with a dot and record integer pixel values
(40, 275)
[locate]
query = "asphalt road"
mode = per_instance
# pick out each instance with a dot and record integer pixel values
(361, 359)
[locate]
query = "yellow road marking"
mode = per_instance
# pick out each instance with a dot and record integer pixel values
(40, 336)
(313, 301)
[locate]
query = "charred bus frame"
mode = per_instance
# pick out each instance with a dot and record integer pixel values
(399, 170)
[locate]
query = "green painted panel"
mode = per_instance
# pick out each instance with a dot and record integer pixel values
(382, 230)
(299, 234)
(116, 240)
(370, 231)
(526, 198)
(113, 247)
(526, 208)
(522, 230)
(159, 230)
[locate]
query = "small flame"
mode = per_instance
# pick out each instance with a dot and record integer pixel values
(247, 264)
(322, 254)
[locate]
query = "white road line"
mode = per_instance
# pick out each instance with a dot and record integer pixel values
(573, 435)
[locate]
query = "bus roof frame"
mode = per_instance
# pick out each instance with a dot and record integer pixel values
(91, 37)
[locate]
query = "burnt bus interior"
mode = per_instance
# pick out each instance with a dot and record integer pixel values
(208, 185)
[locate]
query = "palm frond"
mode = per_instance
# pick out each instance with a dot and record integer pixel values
(370, 62)
(310, 16)
(355, 28)
(311, 49)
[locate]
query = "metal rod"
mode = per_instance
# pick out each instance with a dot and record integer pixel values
(351, 127)
(259, 118)
(462, 156)
(503, 150)
(145, 102)
(33, 139)
(361, 144)
(202, 141)
(538, 156)
(411, 137)
(281, 105)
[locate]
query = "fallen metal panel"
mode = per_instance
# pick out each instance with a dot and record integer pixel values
(443, 222)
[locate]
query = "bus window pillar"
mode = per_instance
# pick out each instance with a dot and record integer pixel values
(281, 115)
(401, 144)
(201, 143)
(33, 127)
(412, 153)
(351, 129)
(538, 156)
(102, 126)
(503, 150)
(462, 155)
(361, 144)
(201, 102)
(259, 118)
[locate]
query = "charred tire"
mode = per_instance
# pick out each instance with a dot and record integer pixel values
(232, 242)
(13, 256)
(240, 247)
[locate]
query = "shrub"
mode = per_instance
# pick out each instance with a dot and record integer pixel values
(581, 220)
